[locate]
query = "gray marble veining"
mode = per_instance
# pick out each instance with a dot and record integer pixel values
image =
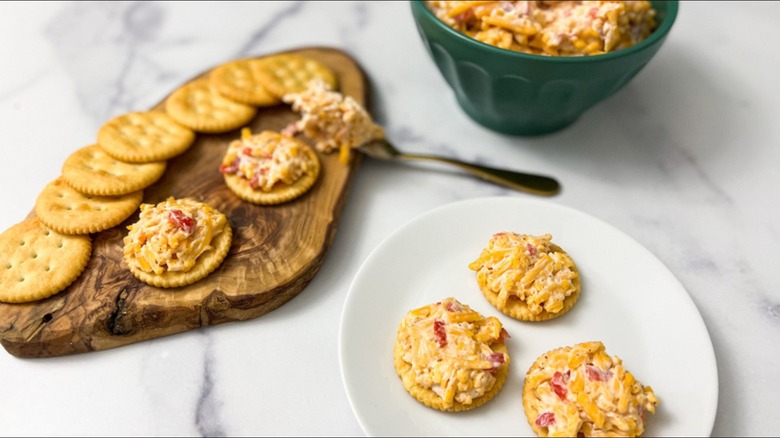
(207, 415)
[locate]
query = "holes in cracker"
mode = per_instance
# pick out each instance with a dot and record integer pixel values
(48, 268)
(60, 244)
(21, 279)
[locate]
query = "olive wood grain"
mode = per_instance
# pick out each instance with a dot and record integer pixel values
(276, 251)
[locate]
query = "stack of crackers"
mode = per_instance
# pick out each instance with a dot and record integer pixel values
(101, 185)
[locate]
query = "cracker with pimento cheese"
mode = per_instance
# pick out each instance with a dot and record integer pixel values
(582, 391)
(176, 242)
(289, 73)
(269, 168)
(199, 106)
(527, 277)
(92, 171)
(36, 262)
(450, 357)
(240, 81)
(68, 211)
(144, 137)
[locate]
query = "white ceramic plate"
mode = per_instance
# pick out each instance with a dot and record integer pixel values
(629, 300)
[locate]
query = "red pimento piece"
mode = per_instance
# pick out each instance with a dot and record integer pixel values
(593, 12)
(531, 249)
(247, 151)
(596, 374)
(181, 220)
(503, 335)
(545, 420)
(255, 181)
(232, 167)
(452, 307)
(558, 383)
(441, 334)
(496, 359)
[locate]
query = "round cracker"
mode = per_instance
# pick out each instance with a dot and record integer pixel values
(199, 106)
(519, 310)
(281, 192)
(289, 73)
(92, 171)
(431, 399)
(529, 397)
(144, 137)
(37, 262)
(206, 264)
(238, 80)
(68, 211)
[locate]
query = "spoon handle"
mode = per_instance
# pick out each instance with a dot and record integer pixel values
(525, 182)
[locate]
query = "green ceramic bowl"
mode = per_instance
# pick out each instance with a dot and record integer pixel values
(521, 94)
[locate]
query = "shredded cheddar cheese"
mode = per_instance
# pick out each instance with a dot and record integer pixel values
(553, 28)
(171, 235)
(449, 347)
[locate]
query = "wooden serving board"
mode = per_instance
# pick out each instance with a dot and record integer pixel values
(276, 251)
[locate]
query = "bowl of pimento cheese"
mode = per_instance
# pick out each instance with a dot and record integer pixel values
(534, 67)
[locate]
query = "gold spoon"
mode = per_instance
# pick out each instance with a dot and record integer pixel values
(525, 182)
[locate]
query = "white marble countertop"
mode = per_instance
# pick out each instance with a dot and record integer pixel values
(683, 159)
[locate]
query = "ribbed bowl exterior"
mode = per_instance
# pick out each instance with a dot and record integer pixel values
(522, 94)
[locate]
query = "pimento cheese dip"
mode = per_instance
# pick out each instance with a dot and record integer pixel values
(553, 28)
(332, 120)
(170, 236)
(266, 159)
(527, 268)
(582, 391)
(450, 349)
